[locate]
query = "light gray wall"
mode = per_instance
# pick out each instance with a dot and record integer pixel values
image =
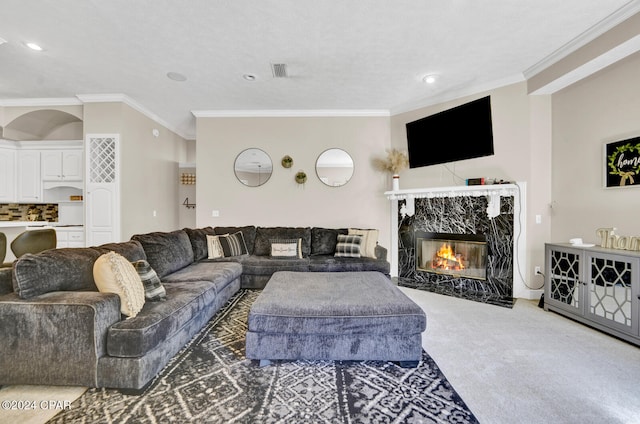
(281, 201)
(148, 166)
(598, 110)
(522, 145)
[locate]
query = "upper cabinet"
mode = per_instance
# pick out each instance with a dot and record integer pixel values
(28, 176)
(7, 175)
(62, 165)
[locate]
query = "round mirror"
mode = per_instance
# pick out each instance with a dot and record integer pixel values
(253, 167)
(334, 167)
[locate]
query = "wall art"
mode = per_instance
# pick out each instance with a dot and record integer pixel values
(622, 167)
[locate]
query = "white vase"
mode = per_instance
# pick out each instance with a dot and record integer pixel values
(395, 182)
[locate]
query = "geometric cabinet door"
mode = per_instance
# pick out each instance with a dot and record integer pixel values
(103, 188)
(565, 284)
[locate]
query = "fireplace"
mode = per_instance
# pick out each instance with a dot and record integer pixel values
(457, 255)
(484, 217)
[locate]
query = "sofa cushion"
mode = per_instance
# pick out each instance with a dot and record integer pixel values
(329, 263)
(266, 265)
(132, 250)
(159, 321)
(248, 232)
(264, 235)
(218, 273)
(166, 252)
(324, 240)
(153, 289)
(113, 273)
(67, 269)
(198, 239)
(6, 284)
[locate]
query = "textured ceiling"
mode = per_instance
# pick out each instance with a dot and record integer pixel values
(341, 55)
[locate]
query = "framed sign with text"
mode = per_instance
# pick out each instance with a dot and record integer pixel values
(622, 163)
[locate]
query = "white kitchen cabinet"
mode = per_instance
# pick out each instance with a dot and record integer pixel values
(62, 165)
(70, 237)
(29, 183)
(596, 286)
(7, 175)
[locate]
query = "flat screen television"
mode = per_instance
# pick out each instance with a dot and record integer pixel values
(463, 132)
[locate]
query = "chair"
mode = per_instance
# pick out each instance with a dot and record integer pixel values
(34, 241)
(3, 247)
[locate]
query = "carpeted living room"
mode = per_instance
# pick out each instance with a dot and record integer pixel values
(323, 212)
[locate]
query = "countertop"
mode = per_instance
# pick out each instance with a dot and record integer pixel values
(12, 224)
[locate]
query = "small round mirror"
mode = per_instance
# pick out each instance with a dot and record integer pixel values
(253, 167)
(334, 167)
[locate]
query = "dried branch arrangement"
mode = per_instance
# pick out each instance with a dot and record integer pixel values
(395, 162)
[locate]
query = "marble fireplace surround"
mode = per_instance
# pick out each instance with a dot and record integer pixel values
(495, 211)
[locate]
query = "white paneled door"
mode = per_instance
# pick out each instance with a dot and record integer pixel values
(103, 188)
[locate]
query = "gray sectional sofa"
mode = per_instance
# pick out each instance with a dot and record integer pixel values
(56, 328)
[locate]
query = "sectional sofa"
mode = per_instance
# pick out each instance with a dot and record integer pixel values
(57, 328)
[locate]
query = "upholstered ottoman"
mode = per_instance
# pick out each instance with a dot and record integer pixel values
(334, 316)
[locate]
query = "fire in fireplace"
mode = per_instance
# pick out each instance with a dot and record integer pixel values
(458, 255)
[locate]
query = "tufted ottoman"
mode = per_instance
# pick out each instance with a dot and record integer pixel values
(334, 316)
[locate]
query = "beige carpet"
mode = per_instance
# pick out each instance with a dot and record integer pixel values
(520, 365)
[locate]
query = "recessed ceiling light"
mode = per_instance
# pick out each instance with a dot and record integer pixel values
(34, 46)
(249, 77)
(176, 76)
(430, 79)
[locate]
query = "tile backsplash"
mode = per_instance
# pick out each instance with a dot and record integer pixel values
(23, 212)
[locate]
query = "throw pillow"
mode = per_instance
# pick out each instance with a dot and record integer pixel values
(153, 288)
(113, 273)
(214, 249)
(225, 246)
(369, 241)
(286, 248)
(348, 246)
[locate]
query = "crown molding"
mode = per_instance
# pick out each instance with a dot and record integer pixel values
(456, 94)
(123, 98)
(614, 55)
(275, 113)
(36, 102)
(606, 24)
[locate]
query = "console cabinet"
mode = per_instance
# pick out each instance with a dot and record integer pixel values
(596, 286)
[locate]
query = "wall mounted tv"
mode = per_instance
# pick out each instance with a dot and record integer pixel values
(463, 132)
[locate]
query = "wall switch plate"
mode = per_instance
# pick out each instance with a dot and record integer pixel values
(155, 214)
(538, 219)
(215, 214)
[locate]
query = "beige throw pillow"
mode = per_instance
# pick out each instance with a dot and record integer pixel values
(214, 248)
(113, 273)
(369, 241)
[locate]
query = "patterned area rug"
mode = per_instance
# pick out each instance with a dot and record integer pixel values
(211, 381)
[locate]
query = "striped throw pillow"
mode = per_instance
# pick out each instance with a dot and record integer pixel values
(153, 289)
(348, 246)
(227, 245)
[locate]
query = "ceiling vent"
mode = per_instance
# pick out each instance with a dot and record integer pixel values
(279, 70)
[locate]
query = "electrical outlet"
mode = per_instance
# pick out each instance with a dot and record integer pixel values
(537, 270)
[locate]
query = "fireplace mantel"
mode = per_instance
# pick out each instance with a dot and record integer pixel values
(454, 191)
(493, 192)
